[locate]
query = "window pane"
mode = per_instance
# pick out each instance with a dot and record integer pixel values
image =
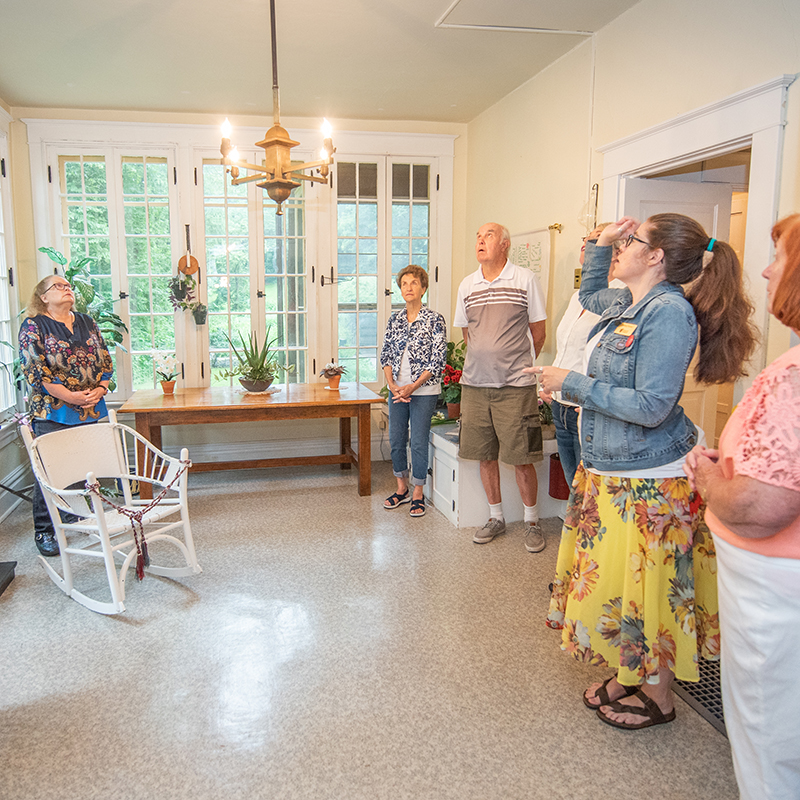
(401, 180)
(421, 182)
(149, 255)
(346, 179)
(227, 251)
(284, 281)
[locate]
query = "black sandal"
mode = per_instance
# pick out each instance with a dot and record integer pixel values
(396, 499)
(417, 508)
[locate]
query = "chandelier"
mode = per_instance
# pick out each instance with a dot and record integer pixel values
(277, 174)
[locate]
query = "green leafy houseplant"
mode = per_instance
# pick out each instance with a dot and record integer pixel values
(331, 370)
(88, 301)
(257, 364)
(183, 296)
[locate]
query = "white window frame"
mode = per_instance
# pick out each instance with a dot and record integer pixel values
(11, 287)
(187, 146)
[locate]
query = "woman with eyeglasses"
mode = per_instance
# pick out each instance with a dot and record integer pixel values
(68, 366)
(635, 586)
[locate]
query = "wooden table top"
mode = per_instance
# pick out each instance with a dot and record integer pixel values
(293, 394)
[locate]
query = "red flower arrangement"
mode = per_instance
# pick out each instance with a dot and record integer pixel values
(451, 378)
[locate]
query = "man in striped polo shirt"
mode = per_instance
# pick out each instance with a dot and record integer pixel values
(501, 313)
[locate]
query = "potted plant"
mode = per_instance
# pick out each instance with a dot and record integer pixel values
(257, 366)
(546, 419)
(451, 378)
(166, 370)
(183, 296)
(333, 373)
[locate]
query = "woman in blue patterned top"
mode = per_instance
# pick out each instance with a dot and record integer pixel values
(68, 366)
(413, 358)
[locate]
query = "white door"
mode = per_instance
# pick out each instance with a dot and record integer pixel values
(710, 205)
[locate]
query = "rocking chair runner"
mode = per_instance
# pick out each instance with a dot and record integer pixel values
(108, 528)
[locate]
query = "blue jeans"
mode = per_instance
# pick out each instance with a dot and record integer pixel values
(419, 413)
(568, 437)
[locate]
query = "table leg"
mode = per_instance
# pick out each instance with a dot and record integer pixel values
(364, 450)
(344, 438)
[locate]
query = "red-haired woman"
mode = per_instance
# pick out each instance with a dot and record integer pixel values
(751, 486)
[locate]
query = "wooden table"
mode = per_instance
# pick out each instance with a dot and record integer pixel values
(153, 409)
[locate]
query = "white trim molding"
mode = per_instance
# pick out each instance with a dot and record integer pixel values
(753, 118)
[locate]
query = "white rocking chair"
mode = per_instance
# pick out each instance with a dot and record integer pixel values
(104, 529)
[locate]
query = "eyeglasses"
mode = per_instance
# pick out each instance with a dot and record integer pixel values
(631, 239)
(62, 287)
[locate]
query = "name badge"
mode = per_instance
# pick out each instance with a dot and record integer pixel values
(625, 328)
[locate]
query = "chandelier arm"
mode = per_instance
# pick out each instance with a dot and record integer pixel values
(324, 162)
(300, 176)
(250, 178)
(251, 167)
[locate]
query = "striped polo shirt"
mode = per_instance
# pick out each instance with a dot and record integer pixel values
(497, 314)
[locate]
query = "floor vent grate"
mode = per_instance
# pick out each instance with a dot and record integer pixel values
(705, 696)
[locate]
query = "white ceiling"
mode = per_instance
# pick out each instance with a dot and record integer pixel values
(349, 59)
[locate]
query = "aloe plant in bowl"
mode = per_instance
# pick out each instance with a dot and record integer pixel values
(258, 364)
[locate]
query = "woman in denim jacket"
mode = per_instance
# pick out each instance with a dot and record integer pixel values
(413, 358)
(635, 585)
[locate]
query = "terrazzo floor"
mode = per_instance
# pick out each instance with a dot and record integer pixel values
(329, 649)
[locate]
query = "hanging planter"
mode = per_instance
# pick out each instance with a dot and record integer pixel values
(200, 314)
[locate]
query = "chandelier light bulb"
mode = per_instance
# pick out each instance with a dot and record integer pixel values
(226, 129)
(234, 156)
(327, 129)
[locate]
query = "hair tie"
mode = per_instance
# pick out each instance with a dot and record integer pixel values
(708, 253)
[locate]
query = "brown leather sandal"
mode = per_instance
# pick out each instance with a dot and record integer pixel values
(602, 694)
(651, 712)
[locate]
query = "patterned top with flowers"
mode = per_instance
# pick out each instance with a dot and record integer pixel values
(426, 342)
(50, 353)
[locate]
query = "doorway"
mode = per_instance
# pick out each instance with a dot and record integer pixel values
(751, 120)
(715, 192)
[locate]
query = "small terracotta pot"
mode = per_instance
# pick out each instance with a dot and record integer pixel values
(453, 410)
(334, 381)
(168, 387)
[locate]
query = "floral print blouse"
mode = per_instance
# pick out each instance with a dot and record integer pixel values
(426, 341)
(50, 353)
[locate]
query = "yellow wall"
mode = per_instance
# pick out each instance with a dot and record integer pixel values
(529, 155)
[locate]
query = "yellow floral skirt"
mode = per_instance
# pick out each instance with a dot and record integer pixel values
(635, 586)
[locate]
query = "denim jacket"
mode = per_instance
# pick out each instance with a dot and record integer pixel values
(631, 418)
(426, 340)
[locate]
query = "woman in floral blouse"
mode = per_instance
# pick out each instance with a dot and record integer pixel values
(752, 488)
(68, 366)
(413, 357)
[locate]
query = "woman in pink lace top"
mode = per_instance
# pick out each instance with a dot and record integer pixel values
(752, 489)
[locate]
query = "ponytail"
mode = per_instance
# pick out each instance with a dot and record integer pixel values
(723, 310)
(716, 292)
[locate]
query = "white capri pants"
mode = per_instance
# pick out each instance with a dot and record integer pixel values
(759, 606)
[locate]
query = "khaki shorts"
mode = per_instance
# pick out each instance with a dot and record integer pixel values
(500, 425)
